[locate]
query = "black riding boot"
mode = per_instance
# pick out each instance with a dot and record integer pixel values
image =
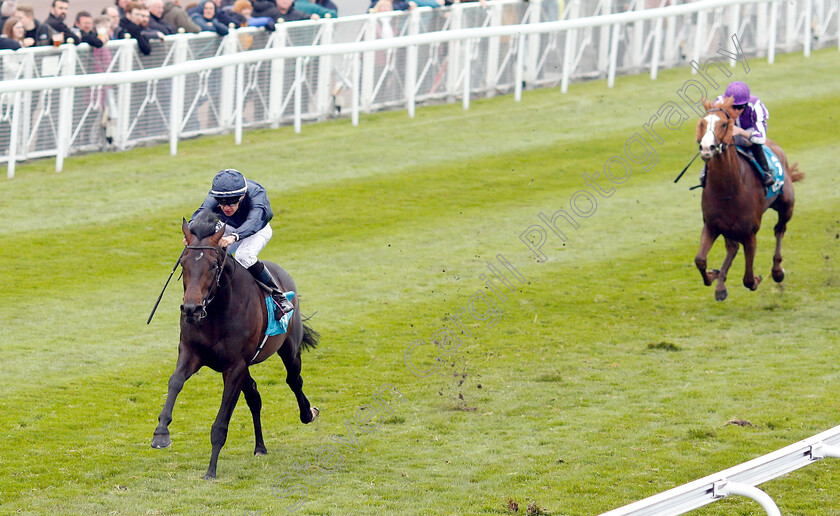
(261, 273)
(758, 153)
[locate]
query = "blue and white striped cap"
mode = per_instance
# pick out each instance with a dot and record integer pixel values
(228, 183)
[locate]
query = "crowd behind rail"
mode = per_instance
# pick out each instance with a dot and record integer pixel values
(58, 121)
(150, 20)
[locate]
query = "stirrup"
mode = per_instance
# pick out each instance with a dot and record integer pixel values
(768, 179)
(280, 302)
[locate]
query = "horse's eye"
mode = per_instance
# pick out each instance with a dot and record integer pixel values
(700, 147)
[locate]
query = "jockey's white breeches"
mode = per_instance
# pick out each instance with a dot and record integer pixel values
(247, 249)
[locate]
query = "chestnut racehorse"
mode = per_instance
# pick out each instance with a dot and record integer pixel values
(223, 323)
(734, 199)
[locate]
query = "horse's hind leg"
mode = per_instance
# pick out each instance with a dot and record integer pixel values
(731, 251)
(252, 397)
(707, 238)
(293, 378)
(188, 364)
(750, 280)
(233, 378)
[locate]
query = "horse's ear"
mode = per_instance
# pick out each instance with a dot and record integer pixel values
(188, 235)
(707, 104)
(218, 235)
(727, 103)
(701, 129)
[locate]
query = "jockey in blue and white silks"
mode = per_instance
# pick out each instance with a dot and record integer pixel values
(244, 209)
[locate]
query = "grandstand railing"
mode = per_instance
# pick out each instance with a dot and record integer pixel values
(739, 480)
(74, 99)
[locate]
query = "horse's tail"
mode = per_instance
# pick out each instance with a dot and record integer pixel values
(310, 338)
(796, 174)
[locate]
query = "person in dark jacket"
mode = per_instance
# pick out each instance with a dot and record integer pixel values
(86, 31)
(58, 12)
(206, 19)
(244, 209)
(156, 21)
(39, 33)
(283, 9)
(132, 24)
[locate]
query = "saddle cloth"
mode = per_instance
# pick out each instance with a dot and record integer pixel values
(276, 327)
(774, 164)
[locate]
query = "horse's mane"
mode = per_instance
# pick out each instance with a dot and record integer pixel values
(204, 224)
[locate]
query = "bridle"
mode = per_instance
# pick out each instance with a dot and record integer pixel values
(211, 294)
(721, 147)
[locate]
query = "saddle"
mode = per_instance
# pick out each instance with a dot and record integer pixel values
(774, 164)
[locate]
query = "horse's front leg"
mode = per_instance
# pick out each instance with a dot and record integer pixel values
(252, 397)
(233, 377)
(750, 281)
(188, 364)
(707, 238)
(731, 251)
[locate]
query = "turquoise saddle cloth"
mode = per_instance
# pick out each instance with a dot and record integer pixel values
(276, 327)
(774, 164)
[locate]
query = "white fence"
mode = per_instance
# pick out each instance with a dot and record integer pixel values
(74, 99)
(739, 480)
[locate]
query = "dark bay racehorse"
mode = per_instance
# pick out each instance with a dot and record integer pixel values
(223, 323)
(734, 199)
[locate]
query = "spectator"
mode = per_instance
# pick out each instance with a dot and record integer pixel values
(156, 18)
(39, 33)
(113, 13)
(58, 12)
(85, 32)
(403, 5)
(206, 19)
(104, 29)
(244, 8)
(13, 35)
(284, 9)
(320, 7)
(135, 15)
(7, 10)
(142, 18)
(176, 16)
(120, 5)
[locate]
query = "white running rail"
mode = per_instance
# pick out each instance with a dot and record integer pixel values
(740, 480)
(202, 84)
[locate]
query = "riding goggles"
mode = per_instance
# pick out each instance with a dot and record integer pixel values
(228, 201)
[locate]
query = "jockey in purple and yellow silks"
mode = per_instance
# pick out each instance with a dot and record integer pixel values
(750, 129)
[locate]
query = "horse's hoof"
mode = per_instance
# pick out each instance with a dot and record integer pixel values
(161, 441)
(260, 450)
(720, 295)
(208, 476)
(711, 276)
(756, 283)
(315, 413)
(779, 277)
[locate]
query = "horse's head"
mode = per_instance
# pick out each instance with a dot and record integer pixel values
(203, 262)
(714, 130)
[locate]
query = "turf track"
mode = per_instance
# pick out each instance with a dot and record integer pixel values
(610, 376)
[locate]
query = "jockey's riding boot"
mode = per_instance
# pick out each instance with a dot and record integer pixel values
(703, 177)
(261, 274)
(767, 174)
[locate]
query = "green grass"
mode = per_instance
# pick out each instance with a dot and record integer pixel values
(610, 376)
